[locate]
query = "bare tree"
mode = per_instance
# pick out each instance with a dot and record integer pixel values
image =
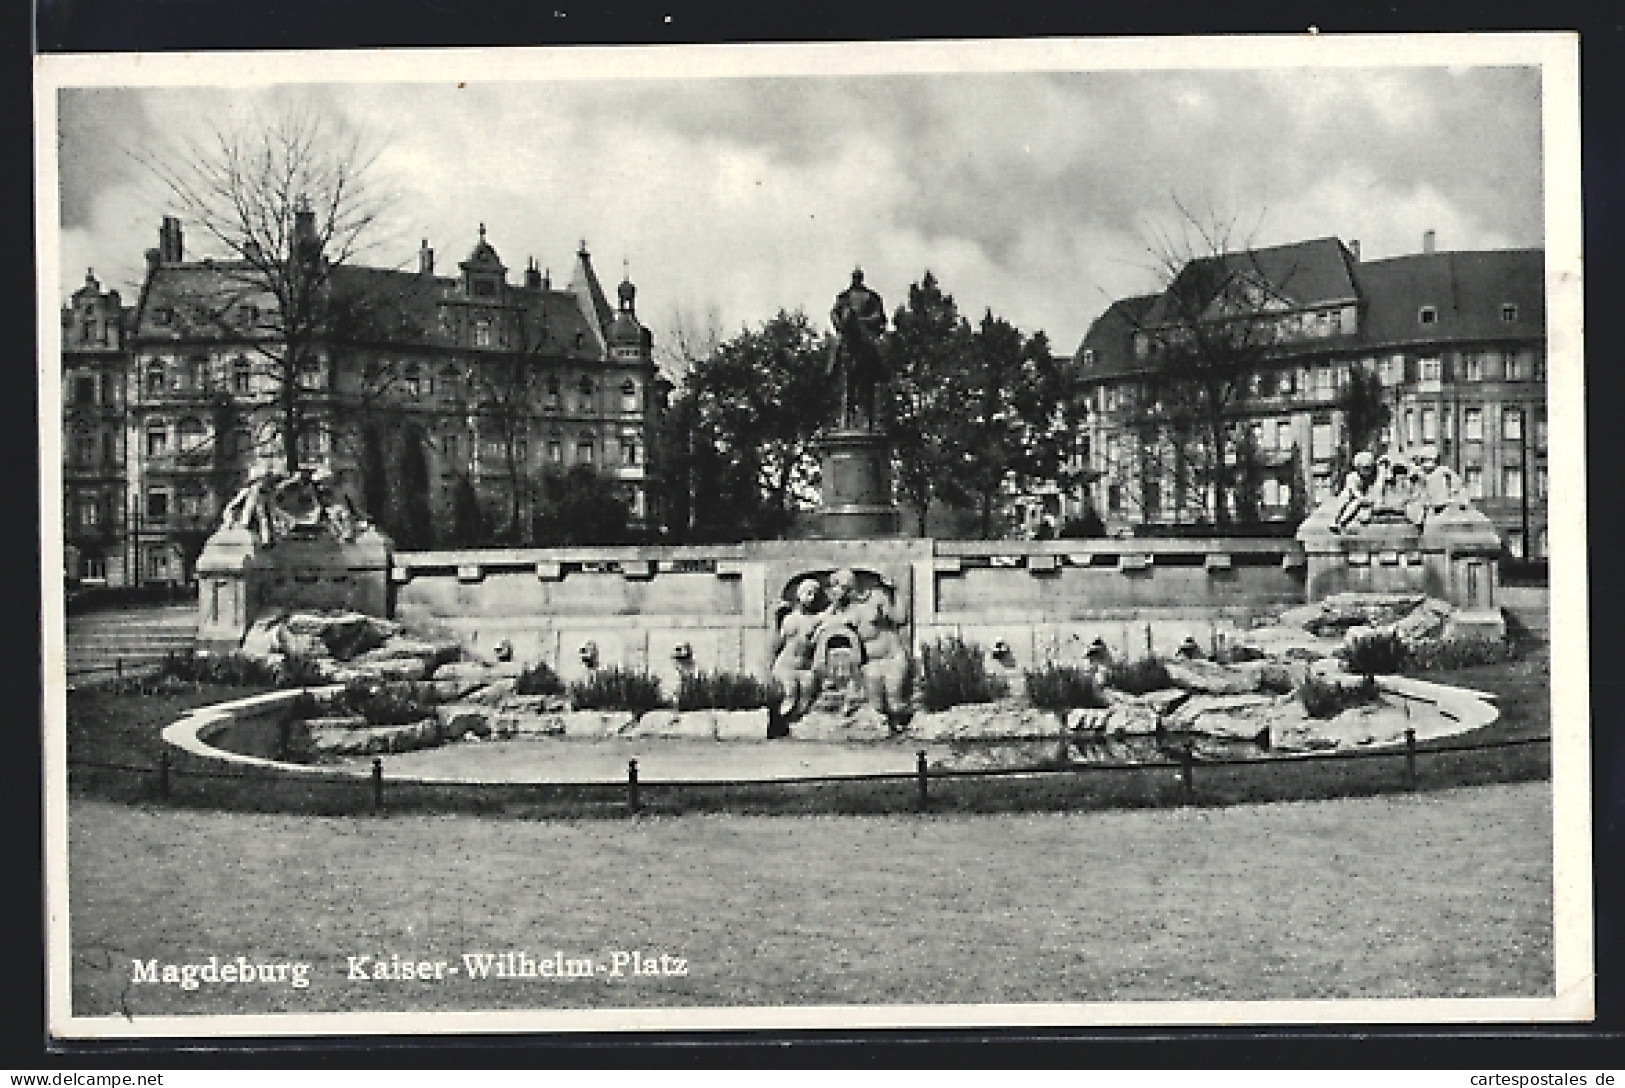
(289, 200)
(1207, 339)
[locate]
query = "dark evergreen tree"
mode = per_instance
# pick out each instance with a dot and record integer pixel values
(415, 530)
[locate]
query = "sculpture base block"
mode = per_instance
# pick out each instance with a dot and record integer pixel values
(857, 488)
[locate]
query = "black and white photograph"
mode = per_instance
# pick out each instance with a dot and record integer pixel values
(1031, 533)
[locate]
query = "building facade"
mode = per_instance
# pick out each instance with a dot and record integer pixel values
(490, 386)
(1454, 340)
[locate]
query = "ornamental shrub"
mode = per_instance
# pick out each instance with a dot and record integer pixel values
(1322, 699)
(724, 691)
(1062, 687)
(954, 672)
(616, 688)
(538, 679)
(1374, 653)
(1139, 677)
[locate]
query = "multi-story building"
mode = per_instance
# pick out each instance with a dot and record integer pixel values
(1455, 339)
(493, 382)
(95, 360)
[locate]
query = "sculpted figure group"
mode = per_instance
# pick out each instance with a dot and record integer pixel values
(868, 620)
(273, 506)
(1386, 487)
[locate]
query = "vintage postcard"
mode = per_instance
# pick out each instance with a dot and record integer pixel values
(1057, 532)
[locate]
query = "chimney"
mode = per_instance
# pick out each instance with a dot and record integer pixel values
(305, 240)
(171, 247)
(425, 259)
(533, 275)
(1428, 239)
(1354, 248)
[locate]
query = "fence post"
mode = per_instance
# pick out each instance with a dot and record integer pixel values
(377, 784)
(632, 786)
(1410, 759)
(922, 775)
(163, 774)
(1187, 779)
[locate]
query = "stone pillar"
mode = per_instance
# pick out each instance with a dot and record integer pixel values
(1468, 553)
(857, 491)
(231, 583)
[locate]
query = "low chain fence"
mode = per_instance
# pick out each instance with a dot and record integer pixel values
(183, 779)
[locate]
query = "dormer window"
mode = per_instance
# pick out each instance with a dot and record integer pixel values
(484, 288)
(1509, 312)
(1088, 356)
(1428, 315)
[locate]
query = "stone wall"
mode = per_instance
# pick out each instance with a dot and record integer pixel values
(670, 609)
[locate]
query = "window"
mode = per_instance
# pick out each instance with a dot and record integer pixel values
(1153, 495)
(629, 396)
(107, 447)
(1428, 370)
(1512, 481)
(482, 329)
(450, 382)
(453, 448)
(629, 452)
(1512, 424)
(1472, 425)
(521, 451)
(310, 374)
(157, 506)
(190, 435)
(1542, 482)
(93, 568)
(552, 394)
(84, 389)
(157, 440)
(1088, 356)
(1430, 425)
(155, 377)
(555, 452)
(84, 447)
(1472, 478)
(1516, 371)
(1325, 381)
(1321, 440)
(1283, 435)
(1509, 312)
(163, 315)
(584, 452)
(90, 513)
(312, 444)
(1428, 315)
(1473, 368)
(412, 381)
(484, 288)
(1270, 492)
(586, 389)
(1114, 498)
(1538, 367)
(1540, 434)
(192, 505)
(1410, 427)
(242, 376)
(158, 566)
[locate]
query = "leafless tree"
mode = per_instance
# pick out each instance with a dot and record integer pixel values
(289, 199)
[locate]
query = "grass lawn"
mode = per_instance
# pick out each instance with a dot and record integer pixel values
(1445, 894)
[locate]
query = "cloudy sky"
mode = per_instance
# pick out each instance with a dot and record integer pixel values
(1035, 193)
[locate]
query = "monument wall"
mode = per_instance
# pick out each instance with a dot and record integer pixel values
(670, 609)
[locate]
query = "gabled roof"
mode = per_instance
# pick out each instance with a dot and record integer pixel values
(378, 305)
(1109, 344)
(1301, 274)
(1466, 290)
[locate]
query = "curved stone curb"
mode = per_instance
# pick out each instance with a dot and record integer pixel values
(188, 734)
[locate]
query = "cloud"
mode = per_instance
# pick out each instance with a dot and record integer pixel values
(1032, 193)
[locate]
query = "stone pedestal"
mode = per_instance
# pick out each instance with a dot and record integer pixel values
(857, 487)
(1454, 556)
(239, 578)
